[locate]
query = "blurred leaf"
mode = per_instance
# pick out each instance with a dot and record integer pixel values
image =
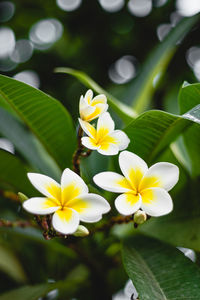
(13, 174)
(10, 265)
(46, 118)
(29, 292)
(27, 145)
(153, 131)
(123, 111)
(141, 89)
(189, 102)
(159, 271)
(67, 287)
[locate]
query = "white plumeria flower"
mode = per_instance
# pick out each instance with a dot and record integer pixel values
(91, 108)
(104, 139)
(140, 187)
(69, 201)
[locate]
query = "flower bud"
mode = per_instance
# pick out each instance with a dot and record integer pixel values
(22, 197)
(81, 231)
(140, 217)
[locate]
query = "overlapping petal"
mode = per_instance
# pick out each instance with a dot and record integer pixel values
(112, 182)
(46, 185)
(88, 128)
(120, 139)
(108, 149)
(72, 185)
(128, 203)
(162, 174)
(133, 167)
(65, 221)
(156, 202)
(105, 124)
(89, 143)
(90, 207)
(41, 205)
(90, 108)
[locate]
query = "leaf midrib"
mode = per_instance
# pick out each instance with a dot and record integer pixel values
(148, 271)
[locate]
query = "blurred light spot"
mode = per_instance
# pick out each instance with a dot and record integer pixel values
(6, 64)
(188, 7)
(52, 294)
(7, 41)
(159, 3)
(7, 145)
(163, 30)
(130, 290)
(45, 32)
(175, 18)
(68, 5)
(30, 77)
(112, 5)
(7, 10)
(140, 8)
(123, 70)
(189, 253)
(196, 69)
(192, 56)
(22, 52)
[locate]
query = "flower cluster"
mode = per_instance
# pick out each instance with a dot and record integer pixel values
(142, 190)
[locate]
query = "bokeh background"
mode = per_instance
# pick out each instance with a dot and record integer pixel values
(109, 40)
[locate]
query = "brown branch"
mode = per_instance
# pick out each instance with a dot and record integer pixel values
(77, 154)
(113, 221)
(20, 223)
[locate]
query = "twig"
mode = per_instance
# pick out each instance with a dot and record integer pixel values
(20, 223)
(77, 154)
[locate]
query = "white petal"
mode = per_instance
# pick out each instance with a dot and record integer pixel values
(88, 128)
(164, 175)
(121, 138)
(98, 110)
(88, 143)
(86, 112)
(156, 202)
(72, 185)
(90, 207)
(88, 96)
(82, 103)
(45, 184)
(128, 203)
(40, 206)
(108, 149)
(112, 182)
(65, 221)
(105, 123)
(133, 167)
(99, 99)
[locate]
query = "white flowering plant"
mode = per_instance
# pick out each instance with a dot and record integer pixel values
(64, 177)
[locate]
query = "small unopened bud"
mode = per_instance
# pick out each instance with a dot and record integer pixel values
(140, 217)
(81, 231)
(22, 197)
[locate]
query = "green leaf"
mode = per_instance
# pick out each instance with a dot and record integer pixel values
(46, 117)
(159, 271)
(67, 287)
(153, 131)
(10, 265)
(27, 145)
(124, 111)
(29, 292)
(13, 174)
(189, 103)
(141, 89)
